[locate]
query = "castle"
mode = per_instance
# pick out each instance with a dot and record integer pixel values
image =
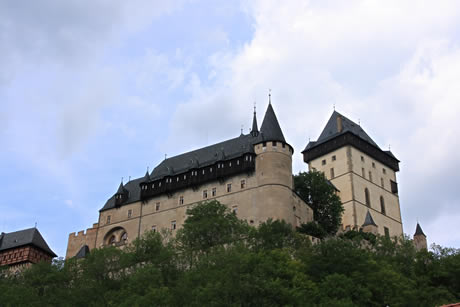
(252, 175)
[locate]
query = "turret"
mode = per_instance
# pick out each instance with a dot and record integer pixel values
(369, 224)
(121, 196)
(419, 238)
(274, 155)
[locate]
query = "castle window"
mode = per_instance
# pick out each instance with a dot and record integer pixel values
(177, 179)
(251, 222)
(235, 209)
(368, 199)
(373, 164)
(205, 194)
(370, 176)
(381, 183)
(334, 158)
(243, 184)
(210, 169)
(230, 164)
(218, 165)
(203, 172)
(185, 177)
(250, 158)
(237, 162)
(173, 225)
(264, 144)
(181, 200)
(108, 219)
(246, 158)
(323, 162)
(157, 206)
(153, 185)
(332, 173)
(214, 192)
(130, 212)
(387, 232)
(363, 172)
(154, 228)
(229, 187)
(124, 236)
(384, 170)
(394, 187)
(274, 143)
(382, 205)
(284, 145)
(362, 159)
(159, 184)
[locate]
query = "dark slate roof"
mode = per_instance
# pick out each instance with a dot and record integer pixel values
(369, 220)
(255, 128)
(83, 252)
(121, 189)
(134, 193)
(330, 131)
(24, 237)
(419, 231)
(270, 129)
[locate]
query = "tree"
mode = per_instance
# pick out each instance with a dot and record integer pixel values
(319, 194)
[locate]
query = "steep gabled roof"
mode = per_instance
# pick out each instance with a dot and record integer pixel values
(419, 231)
(25, 237)
(270, 129)
(331, 129)
(369, 220)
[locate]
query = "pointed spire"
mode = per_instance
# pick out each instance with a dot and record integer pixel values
(419, 231)
(270, 128)
(255, 128)
(147, 176)
(121, 188)
(369, 220)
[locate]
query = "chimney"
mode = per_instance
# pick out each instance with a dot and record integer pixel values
(339, 123)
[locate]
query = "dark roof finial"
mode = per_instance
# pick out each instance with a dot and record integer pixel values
(269, 96)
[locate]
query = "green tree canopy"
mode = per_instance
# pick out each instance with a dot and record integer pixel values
(320, 195)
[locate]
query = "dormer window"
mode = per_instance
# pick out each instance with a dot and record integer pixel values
(153, 186)
(237, 162)
(230, 164)
(185, 177)
(210, 169)
(203, 172)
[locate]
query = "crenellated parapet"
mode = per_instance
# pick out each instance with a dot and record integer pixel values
(81, 238)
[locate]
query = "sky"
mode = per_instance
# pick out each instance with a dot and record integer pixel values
(95, 91)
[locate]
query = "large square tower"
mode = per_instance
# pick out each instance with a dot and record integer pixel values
(364, 174)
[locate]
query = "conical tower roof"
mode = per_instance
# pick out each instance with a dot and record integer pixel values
(255, 128)
(419, 231)
(369, 220)
(121, 189)
(270, 129)
(147, 176)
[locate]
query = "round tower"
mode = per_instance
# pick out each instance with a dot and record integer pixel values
(273, 169)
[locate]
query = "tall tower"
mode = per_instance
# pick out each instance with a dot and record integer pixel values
(364, 174)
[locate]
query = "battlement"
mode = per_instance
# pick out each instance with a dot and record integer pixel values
(78, 239)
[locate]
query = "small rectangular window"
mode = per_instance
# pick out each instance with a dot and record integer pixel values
(214, 192)
(210, 169)
(173, 225)
(382, 182)
(394, 187)
(264, 144)
(387, 232)
(185, 177)
(154, 228)
(370, 176)
(274, 143)
(230, 164)
(203, 172)
(177, 179)
(237, 162)
(130, 212)
(284, 145)
(157, 206)
(181, 200)
(362, 159)
(323, 162)
(205, 194)
(235, 209)
(363, 172)
(332, 173)
(334, 158)
(243, 184)
(384, 170)
(229, 187)
(373, 164)
(108, 219)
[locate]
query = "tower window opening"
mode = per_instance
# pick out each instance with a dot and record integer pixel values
(157, 206)
(334, 158)
(382, 205)
(373, 164)
(274, 143)
(181, 200)
(387, 232)
(130, 212)
(243, 184)
(363, 172)
(173, 225)
(205, 194)
(362, 159)
(214, 192)
(368, 199)
(283, 145)
(229, 187)
(384, 170)
(323, 162)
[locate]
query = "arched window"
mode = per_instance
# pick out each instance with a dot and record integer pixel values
(382, 205)
(112, 239)
(368, 199)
